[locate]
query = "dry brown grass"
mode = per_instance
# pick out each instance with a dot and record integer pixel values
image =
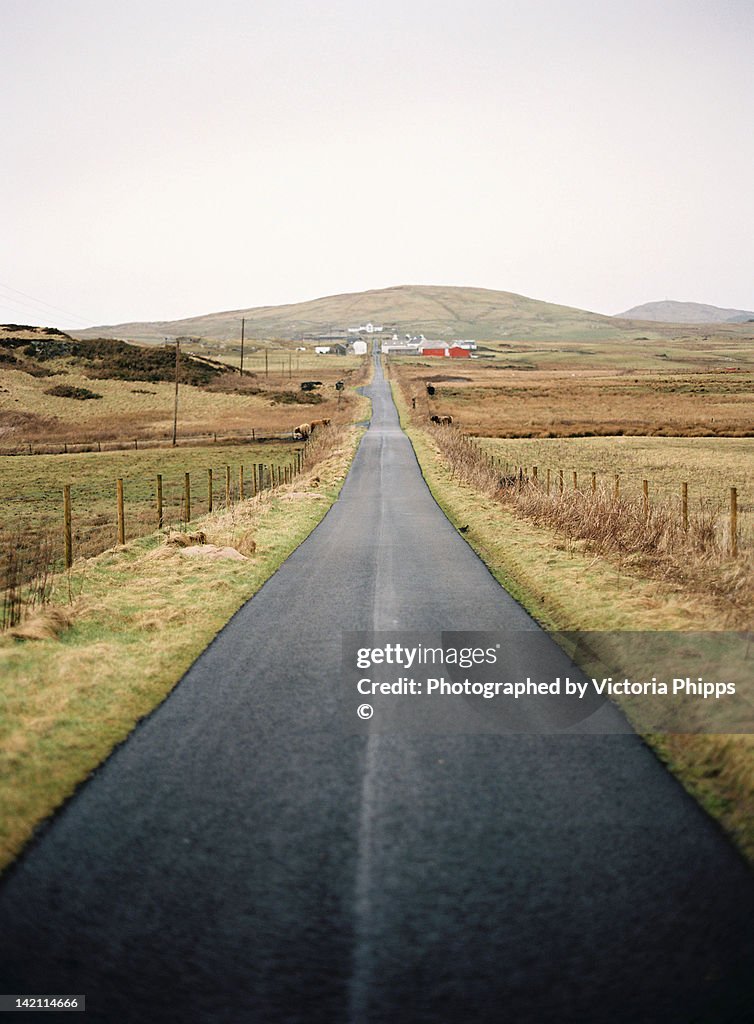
(128, 410)
(651, 539)
(494, 402)
(46, 624)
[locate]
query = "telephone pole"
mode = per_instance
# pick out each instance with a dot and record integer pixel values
(175, 404)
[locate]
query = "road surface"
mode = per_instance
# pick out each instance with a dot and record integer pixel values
(241, 858)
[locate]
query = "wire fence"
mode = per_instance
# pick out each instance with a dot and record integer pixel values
(247, 436)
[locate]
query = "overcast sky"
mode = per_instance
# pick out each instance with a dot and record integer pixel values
(165, 159)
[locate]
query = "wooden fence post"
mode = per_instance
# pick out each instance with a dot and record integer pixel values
(121, 512)
(67, 526)
(240, 483)
(159, 502)
(534, 473)
(187, 495)
(594, 483)
(645, 497)
(616, 487)
(560, 480)
(575, 480)
(734, 522)
(227, 486)
(209, 489)
(548, 478)
(685, 506)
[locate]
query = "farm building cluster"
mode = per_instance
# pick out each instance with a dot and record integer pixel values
(420, 346)
(356, 340)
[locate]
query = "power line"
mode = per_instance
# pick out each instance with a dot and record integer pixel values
(28, 312)
(41, 302)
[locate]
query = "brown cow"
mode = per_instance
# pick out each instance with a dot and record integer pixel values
(442, 421)
(303, 430)
(320, 423)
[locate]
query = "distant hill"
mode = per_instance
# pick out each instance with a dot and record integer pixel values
(686, 313)
(443, 312)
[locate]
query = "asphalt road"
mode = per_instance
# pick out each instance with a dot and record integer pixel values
(242, 858)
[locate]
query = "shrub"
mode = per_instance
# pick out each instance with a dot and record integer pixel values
(296, 398)
(38, 371)
(106, 359)
(69, 391)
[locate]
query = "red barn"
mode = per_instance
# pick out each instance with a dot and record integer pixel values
(454, 351)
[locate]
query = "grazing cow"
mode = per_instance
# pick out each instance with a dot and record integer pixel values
(310, 385)
(442, 421)
(303, 430)
(430, 390)
(319, 423)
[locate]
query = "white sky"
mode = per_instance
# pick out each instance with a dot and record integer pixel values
(165, 159)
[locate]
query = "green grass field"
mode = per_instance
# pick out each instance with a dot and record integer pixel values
(31, 488)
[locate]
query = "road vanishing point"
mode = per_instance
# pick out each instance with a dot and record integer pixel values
(243, 858)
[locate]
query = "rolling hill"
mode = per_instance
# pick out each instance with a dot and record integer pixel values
(669, 311)
(445, 312)
(437, 312)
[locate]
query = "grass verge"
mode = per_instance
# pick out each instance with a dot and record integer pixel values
(564, 588)
(142, 615)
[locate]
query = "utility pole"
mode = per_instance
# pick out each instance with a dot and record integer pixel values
(175, 404)
(243, 330)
